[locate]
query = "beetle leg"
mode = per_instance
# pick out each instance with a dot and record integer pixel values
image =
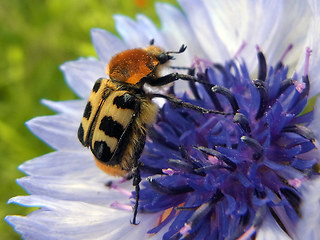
(136, 183)
(136, 174)
(171, 77)
(180, 103)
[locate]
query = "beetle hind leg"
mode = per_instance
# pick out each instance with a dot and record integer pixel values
(136, 174)
(136, 184)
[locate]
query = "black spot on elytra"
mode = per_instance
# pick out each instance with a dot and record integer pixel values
(110, 127)
(87, 111)
(102, 151)
(97, 85)
(125, 101)
(81, 134)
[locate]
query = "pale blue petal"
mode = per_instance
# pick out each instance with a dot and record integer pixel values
(82, 74)
(199, 19)
(262, 20)
(71, 107)
(264, 23)
(308, 227)
(177, 31)
(78, 164)
(68, 220)
(106, 44)
(73, 189)
(316, 122)
(294, 13)
(58, 131)
(133, 34)
(229, 19)
(151, 31)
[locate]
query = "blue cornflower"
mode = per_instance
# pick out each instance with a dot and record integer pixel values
(206, 176)
(224, 174)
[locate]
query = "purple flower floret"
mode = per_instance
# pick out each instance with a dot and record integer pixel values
(217, 177)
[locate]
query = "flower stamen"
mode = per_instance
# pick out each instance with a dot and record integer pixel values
(121, 206)
(302, 131)
(231, 165)
(285, 84)
(238, 52)
(170, 171)
(307, 59)
(293, 198)
(200, 64)
(254, 145)
(183, 165)
(200, 214)
(262, 70)
(229, 95)
(279, 65)
(114, 186)
(259, 84)
(243, 122)
(169, 190)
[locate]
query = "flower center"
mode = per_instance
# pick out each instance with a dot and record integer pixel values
(220, 175)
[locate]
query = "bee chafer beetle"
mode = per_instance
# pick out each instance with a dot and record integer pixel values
(119, 111)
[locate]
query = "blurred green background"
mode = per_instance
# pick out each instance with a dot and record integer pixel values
(36, 36)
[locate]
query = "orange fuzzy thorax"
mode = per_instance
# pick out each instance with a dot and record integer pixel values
(132, 65)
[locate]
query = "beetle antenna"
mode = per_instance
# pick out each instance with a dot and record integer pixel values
(181, 50)
(151, 41)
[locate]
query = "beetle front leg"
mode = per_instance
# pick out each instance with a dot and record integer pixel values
(174, 77)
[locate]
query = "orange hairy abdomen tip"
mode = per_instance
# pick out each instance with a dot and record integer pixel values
(111, 170)
(132, 65)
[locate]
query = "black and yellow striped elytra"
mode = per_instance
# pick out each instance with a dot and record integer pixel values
(114, 125)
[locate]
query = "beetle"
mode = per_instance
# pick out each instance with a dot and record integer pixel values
(119, 111)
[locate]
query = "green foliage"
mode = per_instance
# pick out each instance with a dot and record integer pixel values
(36, 36)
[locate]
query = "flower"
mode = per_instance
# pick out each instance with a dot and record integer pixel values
(209, 176)
(224, 174)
